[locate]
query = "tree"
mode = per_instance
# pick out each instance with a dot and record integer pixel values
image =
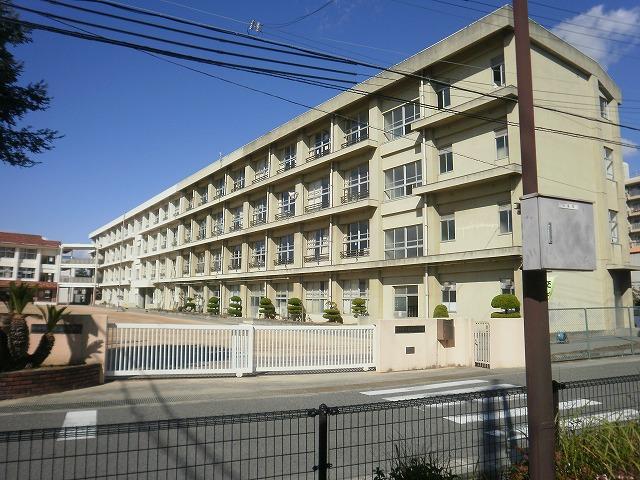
(359, 307)
(440, 311)
(266, 308)
(509, 304)
(213, 306)
(295, 309)
(332, 313)
(235, 306)
(16, 143)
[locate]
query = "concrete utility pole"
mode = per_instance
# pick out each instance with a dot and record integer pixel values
(536, 311)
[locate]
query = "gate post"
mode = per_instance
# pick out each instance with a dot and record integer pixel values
(323, 442)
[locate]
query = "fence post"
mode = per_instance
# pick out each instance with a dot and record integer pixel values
(586, 330)
(630, 314)
(323, 441)
(557, 386)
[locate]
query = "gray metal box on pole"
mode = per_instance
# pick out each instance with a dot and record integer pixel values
(558, 233)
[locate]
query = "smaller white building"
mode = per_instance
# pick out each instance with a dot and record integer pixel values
(77, 274)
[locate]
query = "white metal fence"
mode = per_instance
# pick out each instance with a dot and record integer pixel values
(161, 349)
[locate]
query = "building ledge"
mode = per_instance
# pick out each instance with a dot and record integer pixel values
(477, 105)
(483, 176)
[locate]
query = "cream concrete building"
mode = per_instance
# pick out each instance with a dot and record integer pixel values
(391, 196)
(78, 273)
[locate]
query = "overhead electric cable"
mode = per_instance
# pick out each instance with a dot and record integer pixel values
(299, 19)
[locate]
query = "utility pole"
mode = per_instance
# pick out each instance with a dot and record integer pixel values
(536, 311)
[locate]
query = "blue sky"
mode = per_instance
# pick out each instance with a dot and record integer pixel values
(135, 125)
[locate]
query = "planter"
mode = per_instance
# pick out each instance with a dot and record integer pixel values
(40, 381)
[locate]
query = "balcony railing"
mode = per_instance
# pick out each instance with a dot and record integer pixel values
(354, 253)
(316, 257)
(220, 192)
(78, 261)
(261, 176)
(257, 263)
(283, 259)
(235, 226)
(287, 165)
(216, 266)
(238, 184)
(317, 206)
(217, 229)
(285, 214)
(258, 220)
(355, 136)
(204, 198)
(66, 279)
(319, 151)
(354, 196)
(235, 264)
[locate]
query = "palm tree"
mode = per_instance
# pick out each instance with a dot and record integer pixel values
(52, 315)
(14, 332)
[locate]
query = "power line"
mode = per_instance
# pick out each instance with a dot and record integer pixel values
(299, 77)
(303, 17)
(575, 12)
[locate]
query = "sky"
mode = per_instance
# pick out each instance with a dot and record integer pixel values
(134, 125)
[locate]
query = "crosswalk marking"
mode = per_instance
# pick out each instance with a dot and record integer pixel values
(514, 412)
(415, 388)
(78, 424)
(487, 388)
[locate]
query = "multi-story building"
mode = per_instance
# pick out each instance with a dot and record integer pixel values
(31, 259)
(406, 196)
(77, 277)
(633, 213)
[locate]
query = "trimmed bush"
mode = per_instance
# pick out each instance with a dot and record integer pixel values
(295, 309)
(509, 304)
(235, 306)
(440, 311)
(332, 313)
(266, 308)
(189, 305)
(359, 307)
(213, 306)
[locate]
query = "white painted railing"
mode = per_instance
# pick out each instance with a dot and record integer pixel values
(160, 349)
(299, 348)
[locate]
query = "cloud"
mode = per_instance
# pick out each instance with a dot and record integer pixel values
(597, 33)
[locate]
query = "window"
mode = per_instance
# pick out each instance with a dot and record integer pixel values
(259, 212)
(289, 157)
(449, 296)
(316, 296)
(259, 254)
(202, 229)
(604, 107)
(608, 162)
(28, 253)
(613, 226)
(26, 273)
(507, 286)
(405, 301)
(318, 245)
(6, 272)
(48, 277)
(443, 92)
(403, 242)
(356, 184)
(321, 144)
(220, 188)
(261, 169)
(282, 298)
(448, 228)
(218, 223)
(238, 180)
(446, 159)
(400, 181)
(6, 252)
(498, 71)
(48, 260)
(319, 195)
(352, 289)
(357, 239)
(187, 232)
(397, 122)
(505, 218)
(216, 260)
(200, 263)
(204, 195)
(236, 257)
(502, 144)
(284, 253)
(357, 129)
(186, 266)
(287, 204)
(256, 292)
(236, 220)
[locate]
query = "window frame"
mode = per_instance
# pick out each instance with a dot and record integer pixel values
(609, 171)
(449, 220)
(503, 135)
(400, 242)
(316, 296)
(502, 209)
(401, 292)
(397, 128)
(349, 293)
(614, 233)
(450, 296)
(498, 66)
(402, 184)
(443, 95)
(446, 154)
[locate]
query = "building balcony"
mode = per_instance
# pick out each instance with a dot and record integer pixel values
(257, 263)
(355, 137)
(216, 267)
(283, 259)
(465, 181)
(316, 258)
(235, 265)
(285, 214)
(237, 185)
(317, 206)
(260, 177)
(319, 151)
(351, 196)
(235, 227)
(75, 261)
(68, 279)
(258, 220)
(218, 194)
(217, 230)
(286, 165)
(354, 253)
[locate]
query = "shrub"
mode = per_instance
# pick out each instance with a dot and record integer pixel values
(359, 307)
(266, 308)
(332, 313)
(213, 306)
(235, 306)
(295, 309)
(440, 311)
(509, 304)
(189, 305)
(415, 467)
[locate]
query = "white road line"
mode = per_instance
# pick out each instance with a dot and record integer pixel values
(432, 386)
(519, 396)
(487, 388)
(78, 424)
(598, 418)
(515, 412)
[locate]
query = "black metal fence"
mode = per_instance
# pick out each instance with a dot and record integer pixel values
(476, 435)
